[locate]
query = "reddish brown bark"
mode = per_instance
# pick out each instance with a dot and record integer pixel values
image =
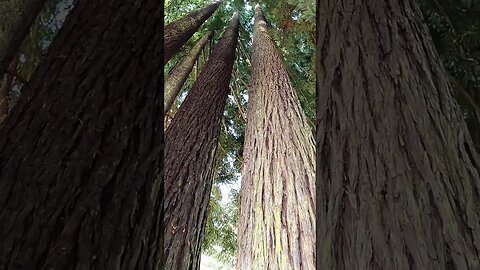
(398, 182)
(177, 77)
(179, 31)
(277, 200)
(80, 152)
(191, 142)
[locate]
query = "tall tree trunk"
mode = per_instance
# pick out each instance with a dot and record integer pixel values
(190, 148)
(277, 206)
(398, 182)
(179, 31)
(178, 76)
(17, 17)
(80, 152)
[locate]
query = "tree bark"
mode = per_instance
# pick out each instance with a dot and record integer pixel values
(80, 152)
(398, 181)
(5, 88)
(178, 76)
(191, 143)
(17, 17)
(277, 206)
(179, 31)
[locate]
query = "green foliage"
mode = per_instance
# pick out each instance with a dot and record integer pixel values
(221, 242)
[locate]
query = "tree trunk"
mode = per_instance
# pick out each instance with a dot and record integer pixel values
(190, 148)
(178, 76)
(277, 206)
(80, 151)
(398, 182)
(17, 17)
(179, 31)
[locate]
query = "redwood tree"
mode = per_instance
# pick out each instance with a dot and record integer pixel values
(80, 152)
(179, 31)
(398, 181)
(190, 148)
(17, 17)
(177, 77)
(277, 206)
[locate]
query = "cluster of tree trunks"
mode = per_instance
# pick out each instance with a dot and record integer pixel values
(177, 77)
(179, 31)
(398, 182)
(277, 200)
(80, 154)
(191, 142)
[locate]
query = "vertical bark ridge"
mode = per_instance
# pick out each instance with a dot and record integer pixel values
(191, 142)
(398, 183)
(179, 31)
(277, 207)
(177, 77)
(80, 152)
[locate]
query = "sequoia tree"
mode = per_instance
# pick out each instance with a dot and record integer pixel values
(277, 206)
(179, 31)
(398, 176)
(190, 148)
(80, 152)
(17, 17)
(177, 77)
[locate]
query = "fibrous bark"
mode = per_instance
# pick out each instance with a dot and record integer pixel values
(179, 31)
(190, 148)
(16, 18)
(398, 181)
(80, 153)
(5, 88)
(277, 206)
(177, 77)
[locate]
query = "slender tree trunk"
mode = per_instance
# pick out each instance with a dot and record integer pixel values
(80, 152)
(190, 148)
(178, 76)
(16, 18)
(277, 206)
(180, 31)
(398, 182)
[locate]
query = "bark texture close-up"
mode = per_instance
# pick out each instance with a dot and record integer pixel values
(177, 77)
(398, 184)
(5, 87)
(191, 142)
(16, 18)
(180, 31)
(277, 198)
(81, 151)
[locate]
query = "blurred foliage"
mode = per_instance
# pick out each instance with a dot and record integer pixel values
(37, 41)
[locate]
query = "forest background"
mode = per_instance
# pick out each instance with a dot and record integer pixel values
(455, 31)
